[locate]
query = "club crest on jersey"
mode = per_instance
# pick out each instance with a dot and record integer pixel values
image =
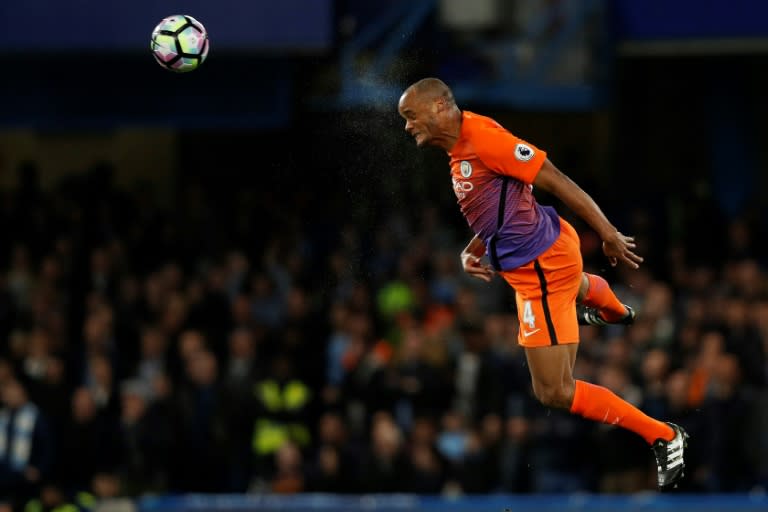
(466, 169)
(523, 152)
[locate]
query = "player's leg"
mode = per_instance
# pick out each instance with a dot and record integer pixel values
(601, 304)
(551, 371)
(546, 294)
(554, 386)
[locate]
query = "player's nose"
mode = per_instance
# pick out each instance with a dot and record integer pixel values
(408, 127)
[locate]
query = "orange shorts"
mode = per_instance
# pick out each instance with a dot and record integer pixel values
(545, 291)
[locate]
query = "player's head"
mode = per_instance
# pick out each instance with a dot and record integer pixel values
(430, 112)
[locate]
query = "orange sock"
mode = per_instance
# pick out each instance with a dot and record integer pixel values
(600, 296)
(601, 404)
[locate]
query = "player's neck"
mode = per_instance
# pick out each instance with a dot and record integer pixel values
(451, 132)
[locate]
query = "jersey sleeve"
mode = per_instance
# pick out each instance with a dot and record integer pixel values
(506, 154)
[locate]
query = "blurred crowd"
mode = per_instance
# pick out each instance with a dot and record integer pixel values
(138, 356)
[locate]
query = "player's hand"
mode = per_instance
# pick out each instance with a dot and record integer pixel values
(474, 267)
(618, 247)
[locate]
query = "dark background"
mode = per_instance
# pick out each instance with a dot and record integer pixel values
(272, 197)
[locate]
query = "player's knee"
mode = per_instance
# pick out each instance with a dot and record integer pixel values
(583, 288)
(558, 395)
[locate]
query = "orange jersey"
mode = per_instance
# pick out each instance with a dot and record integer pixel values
(492, 173)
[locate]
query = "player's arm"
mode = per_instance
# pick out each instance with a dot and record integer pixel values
(470, 260)
(616, 246)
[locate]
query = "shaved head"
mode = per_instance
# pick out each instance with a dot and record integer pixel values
(432, 88)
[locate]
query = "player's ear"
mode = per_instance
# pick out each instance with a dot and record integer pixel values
(438, 105)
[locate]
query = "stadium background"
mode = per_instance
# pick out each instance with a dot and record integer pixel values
(244, 281)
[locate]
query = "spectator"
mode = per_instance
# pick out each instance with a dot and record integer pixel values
(679, 411)
(52, 497)
(743, 340)
(199, 457)
(86, 439)
(101, 381)
(333, 431)
(151, 363)
(283, 407)
(267, 305)
(189, 343)
(244, 368)
(654, 371)
(476, 378)
(385, 467)
(428, 474)
(514, 469)
(20, 277)
(289, 471)
(453, 440)
(143, 442)
(560, 454)
(338, 343)
(26, 444)
(52, 393)
(243, 364)
(330, 474)
(730, 410)
(419, 386)
(106, 489)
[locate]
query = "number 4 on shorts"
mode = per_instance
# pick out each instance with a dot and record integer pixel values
(528, 316)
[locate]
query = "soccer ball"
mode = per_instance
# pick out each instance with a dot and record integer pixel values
(180, 43)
